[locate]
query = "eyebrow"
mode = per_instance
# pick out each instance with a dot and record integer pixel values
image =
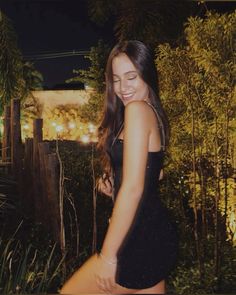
(129, 72)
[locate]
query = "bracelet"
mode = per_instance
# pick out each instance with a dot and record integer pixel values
(106, 260)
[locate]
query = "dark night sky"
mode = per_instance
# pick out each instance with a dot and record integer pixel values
(55, 26)
(62, 25)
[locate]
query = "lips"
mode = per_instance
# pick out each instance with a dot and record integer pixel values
(127, 96)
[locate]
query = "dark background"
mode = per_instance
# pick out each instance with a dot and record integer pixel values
(55, 26)
(52, 26)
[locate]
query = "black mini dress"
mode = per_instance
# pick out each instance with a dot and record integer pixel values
(149, 251)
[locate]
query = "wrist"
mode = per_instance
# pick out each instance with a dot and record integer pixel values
(108, 260)
(106, 251)
(109, 251)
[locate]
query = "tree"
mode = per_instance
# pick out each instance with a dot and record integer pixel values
(151, 21)
(197, 83)
(217, 43)
(17, 77)
(11, 64)
(95, 78)
(33, 80)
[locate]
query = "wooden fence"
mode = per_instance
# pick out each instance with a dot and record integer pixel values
(36, 170)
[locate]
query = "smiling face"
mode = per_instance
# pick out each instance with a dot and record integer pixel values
(128, 85)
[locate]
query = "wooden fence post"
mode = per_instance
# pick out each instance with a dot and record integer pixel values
(28, 199)
(6, 139)
(38, 137)
(44, 150)
(52, 177)
(16, 143)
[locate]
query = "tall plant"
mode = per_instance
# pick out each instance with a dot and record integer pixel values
(94, 77)
(11, 64)
(17, 77)
(152, 21)
(197, 86)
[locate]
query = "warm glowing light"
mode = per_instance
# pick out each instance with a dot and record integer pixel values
(65, 123)
(85, 138)
(71, 125)
(91, 127)
(26, 126)
(59, 128)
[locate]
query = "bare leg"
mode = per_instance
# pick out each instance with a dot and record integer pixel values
(83, 281)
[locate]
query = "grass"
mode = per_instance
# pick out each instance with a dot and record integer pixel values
(28, 269)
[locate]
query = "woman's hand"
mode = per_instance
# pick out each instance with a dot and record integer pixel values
(161, 175)
(105, 275)
(105, 185)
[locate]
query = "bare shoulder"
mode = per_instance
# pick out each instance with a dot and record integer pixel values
(138, 108)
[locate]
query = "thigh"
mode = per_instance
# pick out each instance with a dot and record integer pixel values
(83, 281)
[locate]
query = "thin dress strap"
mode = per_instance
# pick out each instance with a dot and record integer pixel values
(161, 127)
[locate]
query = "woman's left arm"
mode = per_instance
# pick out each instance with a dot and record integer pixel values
(136, 138)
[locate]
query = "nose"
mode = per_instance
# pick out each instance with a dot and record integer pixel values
(124, 85)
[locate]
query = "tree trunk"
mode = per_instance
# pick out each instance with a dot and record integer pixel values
(226, 174)
(94, 246)
(16, 143)
(196, 235)
(203, 183)
(38, 137)
(217, 197)
(61, 201)
(6, 140)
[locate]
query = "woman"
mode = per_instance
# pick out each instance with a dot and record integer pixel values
(139, 248)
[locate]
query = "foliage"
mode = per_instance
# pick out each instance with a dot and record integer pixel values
(64, 122)
(29, 105)
(17, 77)
(93, 77)
(92, 111)
(185, 279)
(149, 21)
(33, 78)
(25, 265)
(79, 161)
(25, 269)
(8, 200)
(11, 64)
(197, 88)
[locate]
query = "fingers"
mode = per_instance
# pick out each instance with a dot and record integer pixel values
(161, 174)
(108, 182)
(112, 283)
(105, 278)
(105, 186)
(106, 285)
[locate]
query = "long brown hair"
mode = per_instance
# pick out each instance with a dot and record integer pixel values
(143, 59)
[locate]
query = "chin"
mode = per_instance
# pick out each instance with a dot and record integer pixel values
(125, 102)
